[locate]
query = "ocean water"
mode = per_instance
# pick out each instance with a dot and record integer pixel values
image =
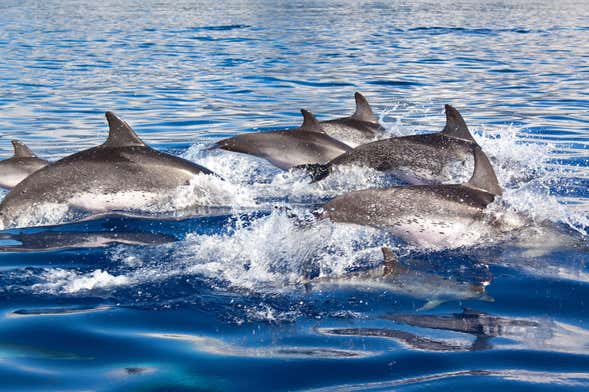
(183, 299)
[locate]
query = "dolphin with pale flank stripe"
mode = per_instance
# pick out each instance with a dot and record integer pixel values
(124, 164)
(23, 163)
(359, 128)
(426, 215)
(288, 148)
(417, 159)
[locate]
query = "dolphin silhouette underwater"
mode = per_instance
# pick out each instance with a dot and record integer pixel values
(395, 277)
(288, 148)
(448, 215)
(417, 159)
(23, 163)
(124, 164)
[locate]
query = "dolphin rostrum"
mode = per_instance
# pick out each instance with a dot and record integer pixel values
(425, 215)
(123, 165)
(20, 166)
(417, 158)
(359, 128)
(395, 277)
(288, 148)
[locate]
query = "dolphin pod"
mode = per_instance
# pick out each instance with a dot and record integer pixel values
(23, 163)
(427, 215)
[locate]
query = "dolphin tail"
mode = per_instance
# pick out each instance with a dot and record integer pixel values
(317, 171)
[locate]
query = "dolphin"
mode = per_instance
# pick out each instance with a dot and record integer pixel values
(393, 276)
(416, 159)
(59, 240)
(288, 148)
(359, 128)
(21, 165)
(123, 165)
(425, 215)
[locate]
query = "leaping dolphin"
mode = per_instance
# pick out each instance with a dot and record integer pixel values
(416, 159)
(359, 128)
(426, 215)
(288, 148)
(20, 166)
(123, 165)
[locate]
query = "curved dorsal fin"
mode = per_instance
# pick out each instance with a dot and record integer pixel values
(21, 150)
(120, 133)
(363, 110)
(483, 177)
(310, 122)
(455, 125)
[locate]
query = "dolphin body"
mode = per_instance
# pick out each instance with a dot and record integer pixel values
(23, 163)
(288, 148)
(124, 164)
(359, 128)
(416, 159)
(425, 215)
(394, 277)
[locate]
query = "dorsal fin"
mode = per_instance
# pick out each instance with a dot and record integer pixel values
(391, 263)
(21, 150)
(363, 110)
(455, 125)
(120, 133)
(483, 178)
(310, 122)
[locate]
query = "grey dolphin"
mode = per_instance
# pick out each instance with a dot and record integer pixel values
(416, 158)
(426, 215)
(359, 128)
(20, 166)
(393, 276)
(122, 164)
(59, 240)
(288, 148)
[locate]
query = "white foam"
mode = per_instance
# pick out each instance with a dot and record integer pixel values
(66, 281)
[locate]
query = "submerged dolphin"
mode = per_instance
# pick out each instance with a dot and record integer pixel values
(416, 158)
(426, 215)
(122, 165)
(20, 166)
(392, 276)
(359, 128)
(288, 148)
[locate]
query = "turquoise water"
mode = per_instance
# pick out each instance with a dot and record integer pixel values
(216, 301)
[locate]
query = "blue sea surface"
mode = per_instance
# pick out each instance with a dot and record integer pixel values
(224, 299)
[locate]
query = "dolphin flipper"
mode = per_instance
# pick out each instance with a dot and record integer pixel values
(21, 150)
(317, 171)
(363, 110)
(456, 126)
(391, 263)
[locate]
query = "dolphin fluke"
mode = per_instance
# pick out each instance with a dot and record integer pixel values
(363, 110)
(456, 126)
(21, 150)
(310, 122)
(120, 133)
(484, 177)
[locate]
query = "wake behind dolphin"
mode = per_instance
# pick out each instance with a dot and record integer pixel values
(122, 165)
(19, 166)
